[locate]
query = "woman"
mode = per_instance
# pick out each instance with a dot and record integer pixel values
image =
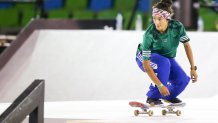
(156, 56)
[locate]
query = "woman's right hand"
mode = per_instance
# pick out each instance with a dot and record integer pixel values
(164, 91)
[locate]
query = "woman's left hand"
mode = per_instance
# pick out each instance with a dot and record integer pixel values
(194, 76)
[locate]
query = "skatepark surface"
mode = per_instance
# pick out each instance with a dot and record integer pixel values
(90, 76)
(195, 111)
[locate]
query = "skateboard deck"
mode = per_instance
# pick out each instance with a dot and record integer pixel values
(166, 108)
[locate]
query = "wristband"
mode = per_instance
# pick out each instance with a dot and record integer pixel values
(160, 86)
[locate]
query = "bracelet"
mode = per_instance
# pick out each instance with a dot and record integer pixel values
(160, 86)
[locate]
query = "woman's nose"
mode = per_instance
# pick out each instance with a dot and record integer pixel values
(156, 22)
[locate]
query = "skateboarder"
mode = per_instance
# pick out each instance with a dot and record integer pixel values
(156, 55)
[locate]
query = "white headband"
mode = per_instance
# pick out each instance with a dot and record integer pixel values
(161, 13)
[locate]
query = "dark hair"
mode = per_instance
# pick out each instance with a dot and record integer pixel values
(164, 5)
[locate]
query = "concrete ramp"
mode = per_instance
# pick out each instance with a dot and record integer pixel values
(98, 65)
(76, 65)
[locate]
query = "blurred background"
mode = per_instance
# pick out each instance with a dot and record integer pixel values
(15, 14)
(196, 15)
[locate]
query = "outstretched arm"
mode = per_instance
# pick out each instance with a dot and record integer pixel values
(194, 75)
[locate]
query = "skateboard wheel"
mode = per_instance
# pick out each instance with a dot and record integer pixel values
(136, 112)
(150, 113)
(178, 112)
(164, 112)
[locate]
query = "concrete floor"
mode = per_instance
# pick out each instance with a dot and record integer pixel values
(100, 90)
(196, 111)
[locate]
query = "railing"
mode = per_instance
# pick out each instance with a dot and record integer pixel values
(30, 102)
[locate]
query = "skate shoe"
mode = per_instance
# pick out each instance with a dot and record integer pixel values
(174, 101)
(154, 102)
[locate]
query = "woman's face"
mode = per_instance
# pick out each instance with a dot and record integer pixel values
(160, 22)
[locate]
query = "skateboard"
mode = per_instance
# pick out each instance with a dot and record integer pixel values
(166, 108)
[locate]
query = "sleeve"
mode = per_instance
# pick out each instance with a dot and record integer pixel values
(146, 47)
(182, 35)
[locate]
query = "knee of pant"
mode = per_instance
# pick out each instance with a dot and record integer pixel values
(160, 60)
(140, 64)
(182, 81)
(164, 63)
(186, 81)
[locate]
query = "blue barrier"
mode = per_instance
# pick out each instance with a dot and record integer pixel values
(53, 4)
(98, 5)
(144, 5)
(6, 5)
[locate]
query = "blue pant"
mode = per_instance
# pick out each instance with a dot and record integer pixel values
(169, 73)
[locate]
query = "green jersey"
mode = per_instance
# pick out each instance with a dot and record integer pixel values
(165, 44)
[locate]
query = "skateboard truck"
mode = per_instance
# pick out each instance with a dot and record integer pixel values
(170, 110)
(144, 111)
